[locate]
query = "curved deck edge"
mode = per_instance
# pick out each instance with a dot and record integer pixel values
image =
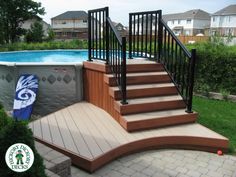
(175, 142)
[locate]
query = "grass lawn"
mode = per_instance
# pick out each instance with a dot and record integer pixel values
(219, 116)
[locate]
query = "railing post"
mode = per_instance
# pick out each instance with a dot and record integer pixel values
(160, 35)
(89, 36)
(191, 80)
(123, 72)
(107, 35)
(130, 36)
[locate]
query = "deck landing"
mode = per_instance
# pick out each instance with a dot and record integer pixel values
(92, 138)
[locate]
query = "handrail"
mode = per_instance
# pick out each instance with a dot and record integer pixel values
(105, 43)
(150, 37)
(176, 38)
(97, 41)
(117, 58)
(114, 30)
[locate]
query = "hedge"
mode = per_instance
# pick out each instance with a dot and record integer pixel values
(12, 132)
(215, 68)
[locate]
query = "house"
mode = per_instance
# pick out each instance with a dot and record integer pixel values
(27, 25)
(70, 25)
(189, 23)
(223, 21)
(123, 30)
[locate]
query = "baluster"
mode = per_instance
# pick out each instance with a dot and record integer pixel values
(89, 36)
(155, 41)
(103, 35)
(150, 42)
(164, 46)
(142, 37)
(168, 51)
(175, 63)
(100, 32)
(183, 76)
(138, 37)
(134, 44)
(172, 56)
(130, 36)
(96, 32)
(92, 35)
(146, 35)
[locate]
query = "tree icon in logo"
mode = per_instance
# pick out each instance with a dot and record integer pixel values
(19, 156)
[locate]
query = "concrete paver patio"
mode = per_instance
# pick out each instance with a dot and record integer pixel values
(166, 163)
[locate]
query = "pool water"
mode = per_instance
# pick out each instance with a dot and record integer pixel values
(48, 56)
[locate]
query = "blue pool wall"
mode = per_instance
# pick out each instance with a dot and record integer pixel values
(60, 85)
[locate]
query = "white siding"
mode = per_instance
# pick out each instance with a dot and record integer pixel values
(201, 24)
(223, 21)
(69, 24)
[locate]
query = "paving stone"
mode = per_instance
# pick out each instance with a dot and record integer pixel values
(202, 170)
(113, 173)
(127, 171)
(193, 173)
(214, 174)
(225, 171)
(181, 170)
(138, 174)
(137, 167)
(149, 171)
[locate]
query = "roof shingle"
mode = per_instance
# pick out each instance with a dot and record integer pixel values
(71, 15)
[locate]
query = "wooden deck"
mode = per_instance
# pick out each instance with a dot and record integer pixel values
(92, 138)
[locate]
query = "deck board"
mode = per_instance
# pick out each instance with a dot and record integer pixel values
(85, 132)
(92, 137)
(67, 138)
(55, 132)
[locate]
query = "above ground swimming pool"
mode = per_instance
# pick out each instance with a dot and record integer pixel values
(45, 56)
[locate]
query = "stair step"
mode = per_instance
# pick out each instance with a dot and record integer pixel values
(134, 122)
(144, 90)
(140, 105)
(140, 78)
(147, 67)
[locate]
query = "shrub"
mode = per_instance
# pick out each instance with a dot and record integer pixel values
(4, 119)
(18, 132)
(215, 67)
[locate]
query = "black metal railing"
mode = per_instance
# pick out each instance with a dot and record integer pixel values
(144, 34)
(117, 58)
(179, 63)
(150, 37)
(105, 43)
(97, 40)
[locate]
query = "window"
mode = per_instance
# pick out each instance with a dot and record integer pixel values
(173, 22)
(119, 28)
(179, 21)
(85, 21)
(214, 19)
(63, 23)
(189, 21)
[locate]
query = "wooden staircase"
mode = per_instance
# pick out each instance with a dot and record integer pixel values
(153, 100)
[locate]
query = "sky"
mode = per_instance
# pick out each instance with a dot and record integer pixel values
(119, 9)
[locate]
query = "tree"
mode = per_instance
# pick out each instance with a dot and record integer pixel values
(35, 33)
(12, 15)
(51, 35)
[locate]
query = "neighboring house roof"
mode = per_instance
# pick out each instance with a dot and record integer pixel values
(229, 10)
(191, 14)
(72, 15)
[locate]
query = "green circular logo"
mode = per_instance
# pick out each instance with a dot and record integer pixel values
(19, 157)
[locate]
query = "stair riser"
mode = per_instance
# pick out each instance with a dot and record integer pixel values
(140, 80)
(147, 107)
(160, 122)
(144, 68)
(147, 92)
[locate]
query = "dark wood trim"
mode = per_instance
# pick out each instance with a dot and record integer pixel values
(176, 142)
(96, 66)
(161, 122)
